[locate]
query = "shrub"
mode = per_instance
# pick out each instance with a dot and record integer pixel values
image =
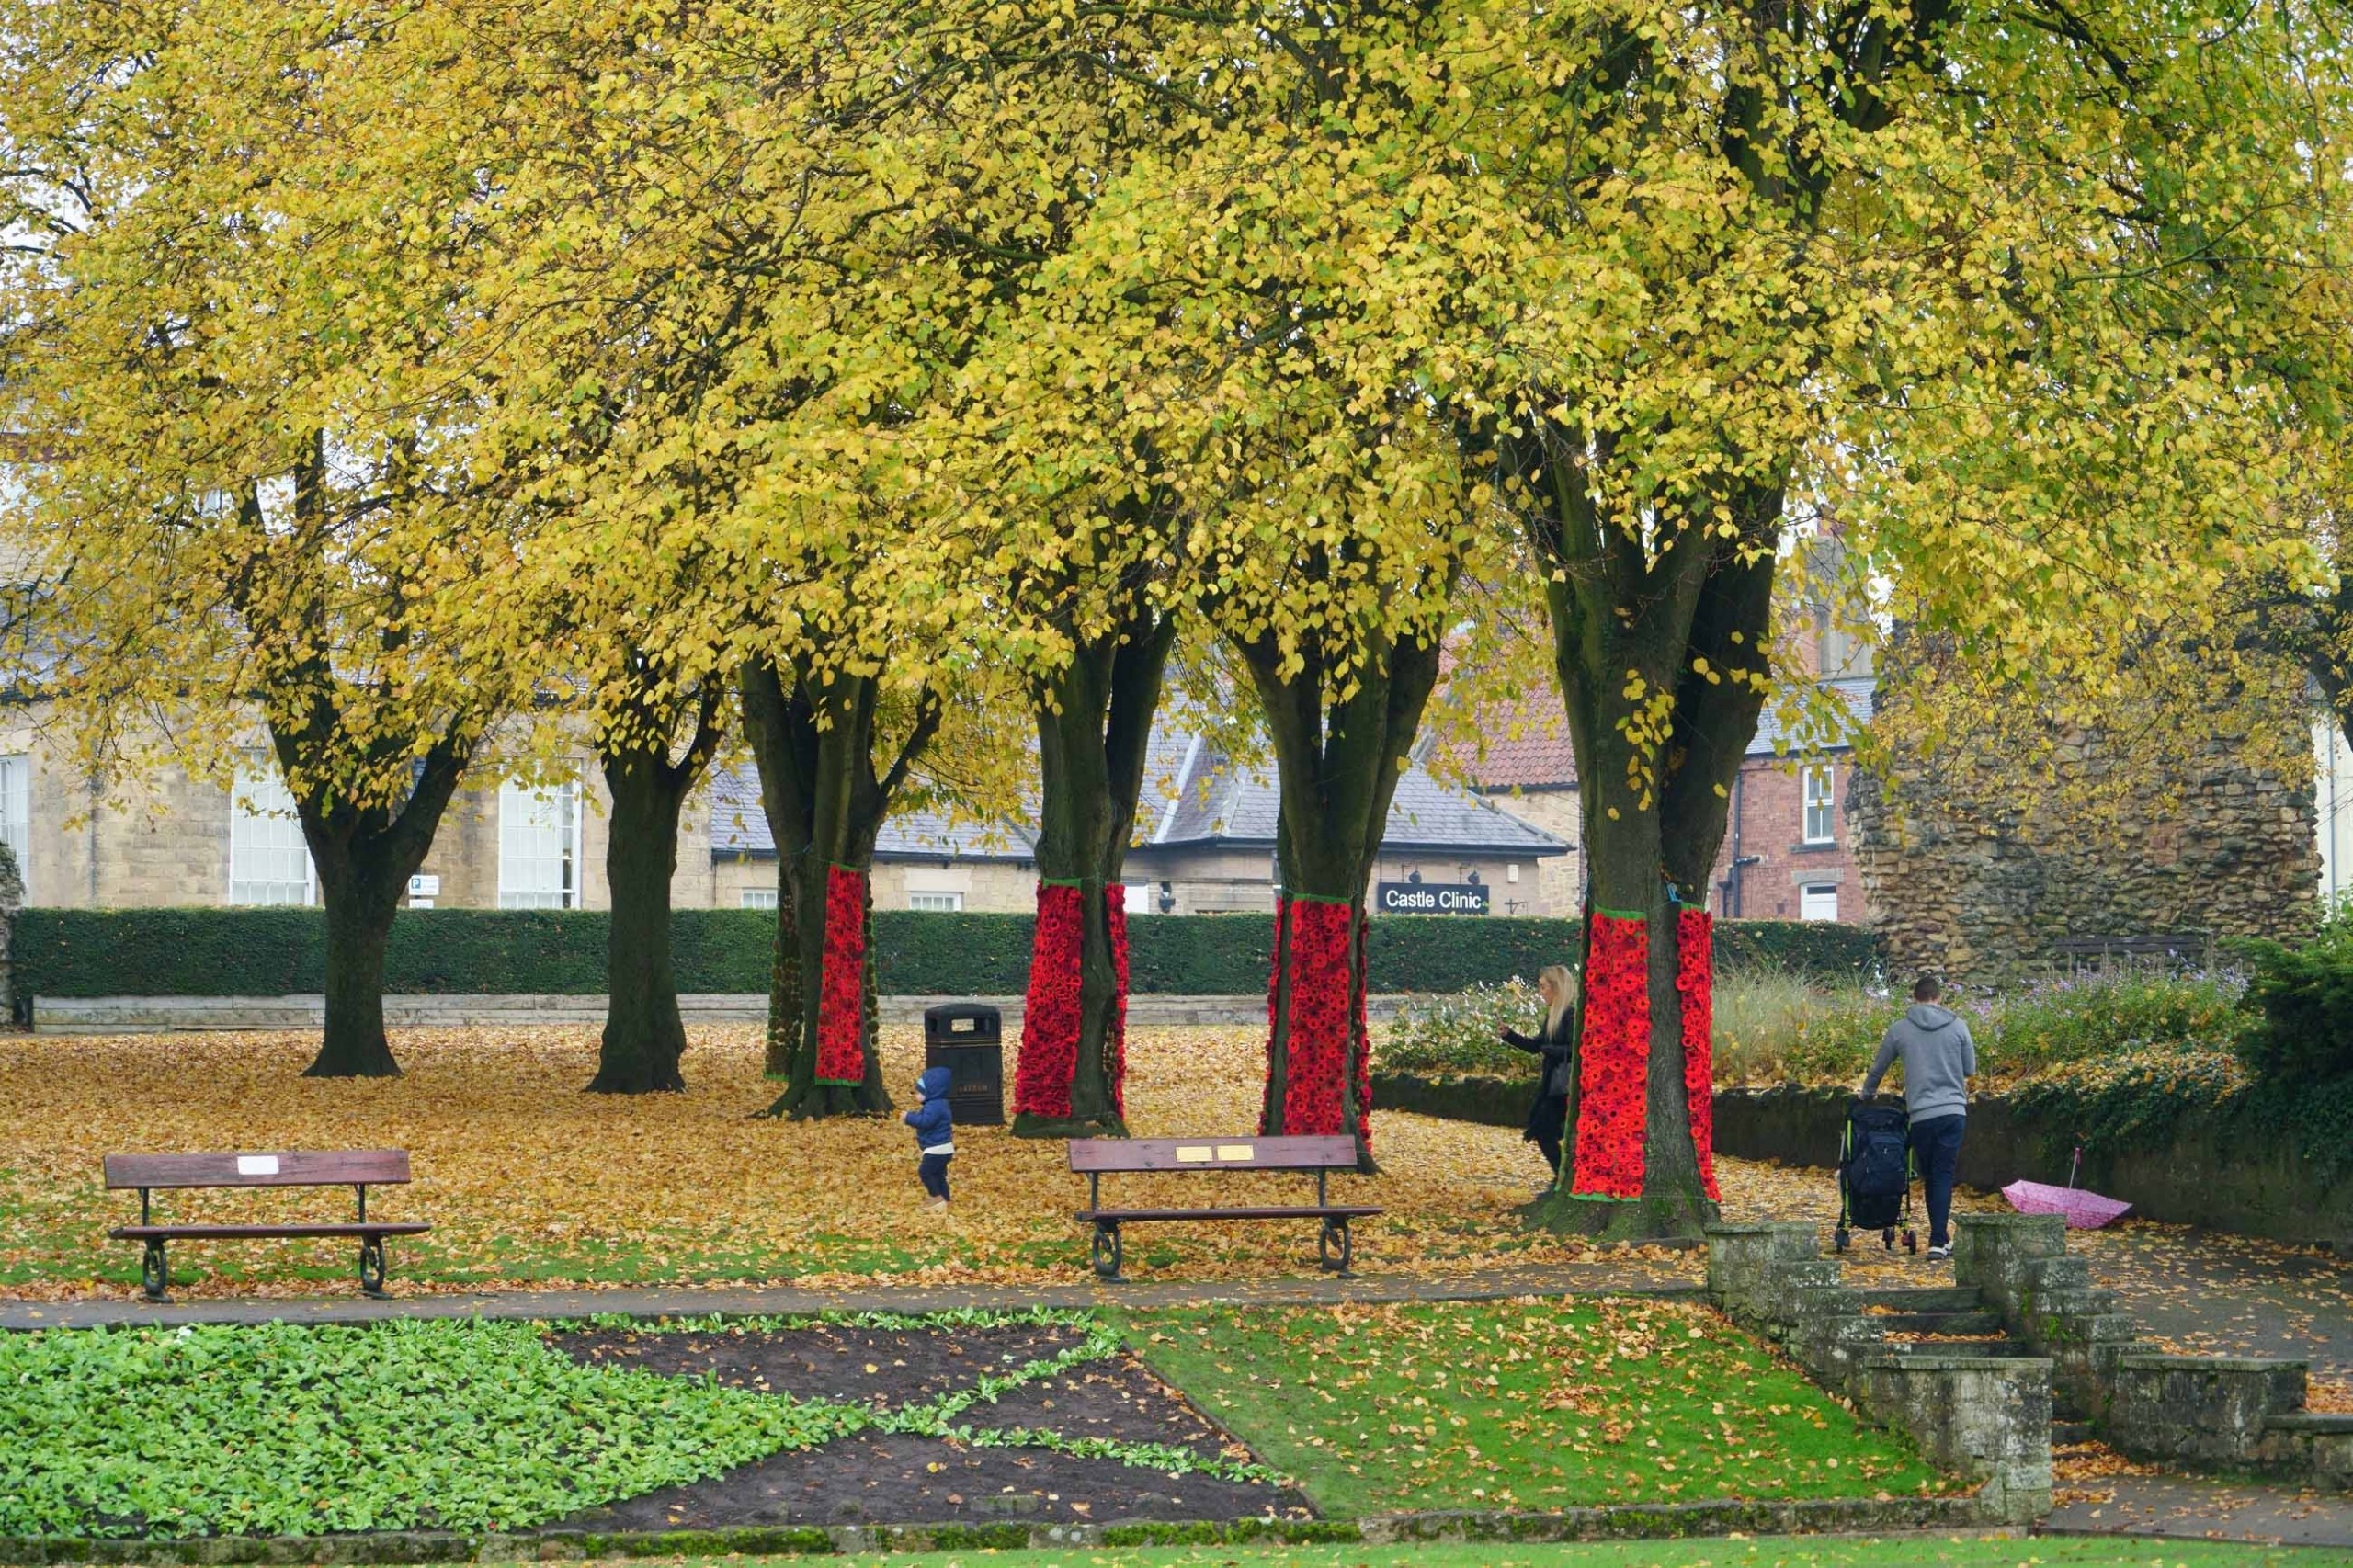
(1776, 1027)
(2133, 1098)
(1458, 1034)
(2090, 1016)
(273, 952)
(2302, 1001)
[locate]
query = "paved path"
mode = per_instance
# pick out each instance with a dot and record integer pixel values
(2208, 1293)
(2195, 1508)
(1563, 1279)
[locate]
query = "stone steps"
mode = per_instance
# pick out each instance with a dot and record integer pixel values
(2063, 1433)
(1926, 1299)
(2002, 1347)
(1980, 1322)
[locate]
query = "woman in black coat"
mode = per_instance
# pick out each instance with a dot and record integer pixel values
(1548, 1117)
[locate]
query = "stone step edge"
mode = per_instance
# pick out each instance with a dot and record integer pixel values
(1632, 1521)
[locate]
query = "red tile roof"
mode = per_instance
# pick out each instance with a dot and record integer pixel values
(1522, 748)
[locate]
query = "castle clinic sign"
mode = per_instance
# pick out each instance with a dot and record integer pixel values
(1430, 898)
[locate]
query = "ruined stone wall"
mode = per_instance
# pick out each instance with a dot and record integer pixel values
(1987, 832)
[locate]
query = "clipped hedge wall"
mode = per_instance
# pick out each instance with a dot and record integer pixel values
(275, 953)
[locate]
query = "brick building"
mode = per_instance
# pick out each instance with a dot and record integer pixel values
(1788, 851)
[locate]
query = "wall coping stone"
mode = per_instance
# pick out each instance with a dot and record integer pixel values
(1938, 1363)
(2320, 1423)
(1973, 1509)
(2140, 1362)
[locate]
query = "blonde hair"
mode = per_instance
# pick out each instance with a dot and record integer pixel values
(1564, 995)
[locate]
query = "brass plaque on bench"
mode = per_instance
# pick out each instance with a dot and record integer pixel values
(1193, 1153)
(1234, 1150)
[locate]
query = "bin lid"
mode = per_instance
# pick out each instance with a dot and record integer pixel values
(946, 1012)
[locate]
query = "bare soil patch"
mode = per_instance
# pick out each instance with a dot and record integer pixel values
(889, 1369)
(883, 1478)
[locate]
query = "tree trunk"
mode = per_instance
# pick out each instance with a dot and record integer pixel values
(361, 898)
(825, 804)
(784, 977)
(364, 857)
(1095, 719)
(644, 1037)
(1338, 770)
(1661, 659)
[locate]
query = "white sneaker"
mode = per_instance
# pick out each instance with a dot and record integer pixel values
(1940, 1254)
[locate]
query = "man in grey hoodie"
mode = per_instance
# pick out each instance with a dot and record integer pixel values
(1939, 1061)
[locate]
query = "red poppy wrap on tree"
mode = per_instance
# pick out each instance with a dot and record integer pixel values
(1614, 1054)
(1318, 1044)
(1115, 906)
(1695, 979)
(841, 995)
(1049, 1015)
(1361, 1041)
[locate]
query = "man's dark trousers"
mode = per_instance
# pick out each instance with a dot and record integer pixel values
(1936, 1149)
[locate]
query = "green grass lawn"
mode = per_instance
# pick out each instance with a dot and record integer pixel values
(1521, 1406)
(1783, 1551)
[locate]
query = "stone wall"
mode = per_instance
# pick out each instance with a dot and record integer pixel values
(1991, 827)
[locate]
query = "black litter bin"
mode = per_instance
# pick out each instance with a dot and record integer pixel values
(967, 1039)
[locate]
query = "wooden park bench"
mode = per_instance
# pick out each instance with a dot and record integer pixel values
(1094, 1156)
(358, 1169)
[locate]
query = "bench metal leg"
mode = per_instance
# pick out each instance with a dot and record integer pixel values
(1105, 1250)
(153, 1272)
(371, 1266)
(1335, 1248)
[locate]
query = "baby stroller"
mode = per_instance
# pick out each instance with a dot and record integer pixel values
(1875, 1175)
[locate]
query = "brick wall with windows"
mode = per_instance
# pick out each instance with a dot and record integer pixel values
(1788, 830)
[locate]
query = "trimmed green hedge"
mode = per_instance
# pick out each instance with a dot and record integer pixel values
(274, 952)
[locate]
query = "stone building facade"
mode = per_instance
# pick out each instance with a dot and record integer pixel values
(168, 836)
(1982, 855)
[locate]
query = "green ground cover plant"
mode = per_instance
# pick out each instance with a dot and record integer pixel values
(1520, 1406)
(280, 1429)
(1907, 1551)
(1779, 1025)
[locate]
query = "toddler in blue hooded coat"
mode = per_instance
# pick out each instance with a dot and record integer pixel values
(935, 1133)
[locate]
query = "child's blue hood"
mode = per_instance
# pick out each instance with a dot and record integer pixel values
(933, 1084)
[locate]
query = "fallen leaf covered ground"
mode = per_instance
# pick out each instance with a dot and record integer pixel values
(528, 1180)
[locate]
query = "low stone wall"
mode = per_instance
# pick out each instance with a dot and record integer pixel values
(2215, 1172)
(165, 1014)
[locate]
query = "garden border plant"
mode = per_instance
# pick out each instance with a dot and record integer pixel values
(1101, 1337)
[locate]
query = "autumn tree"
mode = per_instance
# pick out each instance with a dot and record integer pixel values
(254, 488)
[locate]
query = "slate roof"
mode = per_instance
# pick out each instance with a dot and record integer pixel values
(1528, 747)
(1208, 800)
(740, 829)
(1194, 796)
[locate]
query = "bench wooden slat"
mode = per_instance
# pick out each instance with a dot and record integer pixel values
(328, 1228)
(1297, 1211)
(346, 1167)
(1214, 1153)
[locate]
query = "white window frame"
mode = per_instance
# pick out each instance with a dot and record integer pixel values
(1824, 803)
(1809, 910)
(263, 822)
(530, 804)
(17, 814)
(939, 900)
(757, 898)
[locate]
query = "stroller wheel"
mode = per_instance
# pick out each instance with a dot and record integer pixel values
(1839, 1238)
(1911, 1239)
(1887, 1238)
